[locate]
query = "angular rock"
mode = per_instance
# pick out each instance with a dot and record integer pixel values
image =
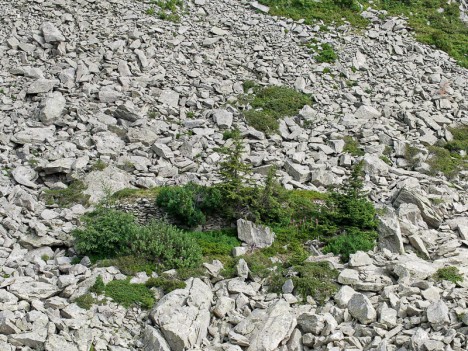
(153, 340)
(51, 33)
(389, 231)
(254, 235)
(53, 107)
(361, 308)
(184, 315)
(438, 313)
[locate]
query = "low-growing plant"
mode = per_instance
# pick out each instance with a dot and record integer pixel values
(98, 286)
(72, 195)
(45, 257)
(249, 84)
(166, 284)
(270, 104)
(216, 243)
(99, 165)
(129, 265)
(85, 301)
(326, 54)
(127, 294)
(451, 274)
(166, 245)
(352, 146)
(350, 242)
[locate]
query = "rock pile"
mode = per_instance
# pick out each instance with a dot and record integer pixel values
(82, 81)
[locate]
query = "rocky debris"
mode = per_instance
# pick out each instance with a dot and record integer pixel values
(151, 100)
(184, 315)
(253, 235)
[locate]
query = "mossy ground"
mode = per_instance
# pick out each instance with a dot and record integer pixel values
(435, 22)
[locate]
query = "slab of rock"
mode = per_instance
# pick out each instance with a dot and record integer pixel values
(42, 86)
(126, 113)
(153, 340)
(25, 176)
(53, 107)
(276, 328)
(63, 165)
(34, 135)
(298, 172)
(163, 150)
(258, 236)
(184, 315)
(169, 97)
(430, 216)
(51, 33)
(438, 313)
(389, 231)
(361, 308)
(411, 266)
(223, 118)
(57, 342)
(29, 290)
(366, 112)
(110, 179)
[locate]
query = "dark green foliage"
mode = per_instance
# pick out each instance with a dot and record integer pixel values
(229, 134)
(165, 284)
(326, 54)
(98, 286)
(352, 146)
(451, 274)
(270, 104)
(68, 197)
(165, 245)
(350, 242)
(190, 203)
(350, 207)
(217, 242)
(106, 233)
(85, 301)
(460, 140)
(127, 294)
(169, 9)
(113, 234)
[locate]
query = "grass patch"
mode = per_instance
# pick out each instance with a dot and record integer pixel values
(352, 146)
(129, 194)
(99, 165)
(165, 284)
(444, 29)
(451, 274)
(127, 294)
(324, 51)
(216, 243)
(270, 104)
(85, 301)
(168, 9)
(328, 11)
(350, 242)
(68, 197)
(129, 265)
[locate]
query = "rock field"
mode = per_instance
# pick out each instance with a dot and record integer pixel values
(89, 80)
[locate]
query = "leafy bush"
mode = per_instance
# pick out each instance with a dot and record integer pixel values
(350, 242)
(165, 284)
(68, 197)
(106, 233)
(98, 286)
(460, 140)
(130, 265)
(127, 294)
(190, 203)
(269, 104)
(166, 245)
(443, 161)
(451, 274)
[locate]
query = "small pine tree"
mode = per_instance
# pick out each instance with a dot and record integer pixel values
(233, 170)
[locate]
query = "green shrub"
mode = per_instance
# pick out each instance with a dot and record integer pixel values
(442, 161)
(190, 203)
(352, 146)
(85, 301)
(166, 245)
(248, 84)
(127, 294)
(99, 165)
(169, 9)
(106, 233)
(460, 140)
(350, 242)
(165, 284)
(217, 242)
(269, 104)
(451, 274)
(68, 197)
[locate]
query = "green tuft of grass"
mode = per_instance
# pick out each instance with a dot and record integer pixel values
(166, 284)
(216, 243)
(128, 194)
(129, 265)
(169, 9)
(99, 165)
(352, 146)
(351, 241)
(85, 301)
(451, 274)
(127, 294)
(270, 104)
(68, 197)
